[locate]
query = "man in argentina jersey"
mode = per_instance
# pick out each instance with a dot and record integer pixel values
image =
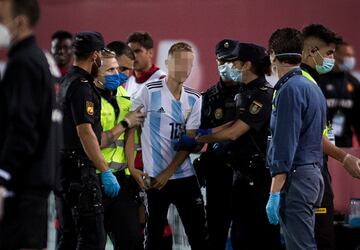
(172, 109)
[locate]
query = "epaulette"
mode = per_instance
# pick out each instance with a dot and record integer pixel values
(84, 80)
(265, 87)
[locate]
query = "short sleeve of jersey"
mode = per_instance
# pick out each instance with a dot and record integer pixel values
(194, 119)
(258, 112)
(141, 98)
(82, 104)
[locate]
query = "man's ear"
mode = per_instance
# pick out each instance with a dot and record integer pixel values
(247, 65)
(93, 56)
(151, 52)
(313, 50)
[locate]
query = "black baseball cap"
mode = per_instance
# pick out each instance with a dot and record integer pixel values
(86, 42)
(251, 52)
(227, 49)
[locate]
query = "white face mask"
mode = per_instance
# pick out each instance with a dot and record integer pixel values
(5, 36)
(274, 77)
(348, 64)
(274, 74)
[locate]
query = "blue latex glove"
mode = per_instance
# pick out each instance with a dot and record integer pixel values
(272, 208)
(202, 132)
(111, 185)
(185, 143)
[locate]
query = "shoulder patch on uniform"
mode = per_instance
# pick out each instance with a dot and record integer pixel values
(255, 107)
(90, 107)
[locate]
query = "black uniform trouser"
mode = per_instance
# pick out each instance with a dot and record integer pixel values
(219, 180)
(251, 228)
(185, 194)
(122, 215)
(324, 222)
(82, 194)
(25, 220)
(66, 233)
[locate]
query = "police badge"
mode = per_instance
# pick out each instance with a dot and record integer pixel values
(255, 107)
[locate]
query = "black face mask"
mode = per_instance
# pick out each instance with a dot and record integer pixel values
(95, 67)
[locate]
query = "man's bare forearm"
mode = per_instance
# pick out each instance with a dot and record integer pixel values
(91, 146)
(333, 151)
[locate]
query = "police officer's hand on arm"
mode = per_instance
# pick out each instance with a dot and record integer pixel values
(223, 133)
(90, 144)
(350, 162)
(137, 174)
(132, 119)
(273, 204)
(229, 131)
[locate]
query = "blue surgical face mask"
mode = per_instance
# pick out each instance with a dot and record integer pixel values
(112, 82)
(348, 64)
(224, 71)
(123, 78)
(236, 75)
(229, 73)
(327, 65)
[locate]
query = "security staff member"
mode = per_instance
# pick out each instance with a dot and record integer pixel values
(218, 108)
(81, 154)
(294, 157)
(246, 152)
(342, 92)
(28, 121)
(121, 212)
(317, 58)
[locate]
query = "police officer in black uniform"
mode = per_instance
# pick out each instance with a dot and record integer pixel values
(246, 152)
(81, 155)
(342, 92)
(218, 108)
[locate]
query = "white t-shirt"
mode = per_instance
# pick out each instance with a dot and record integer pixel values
(133, 87)
(166, 118)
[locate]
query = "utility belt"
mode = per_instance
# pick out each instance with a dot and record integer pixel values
(249, 169)
(75, 158)
(80, 184)
(245, 164)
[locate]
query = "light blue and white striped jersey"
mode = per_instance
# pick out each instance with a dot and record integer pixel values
(166, 118)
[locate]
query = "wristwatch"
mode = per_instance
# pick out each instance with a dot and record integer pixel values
(125, 124)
